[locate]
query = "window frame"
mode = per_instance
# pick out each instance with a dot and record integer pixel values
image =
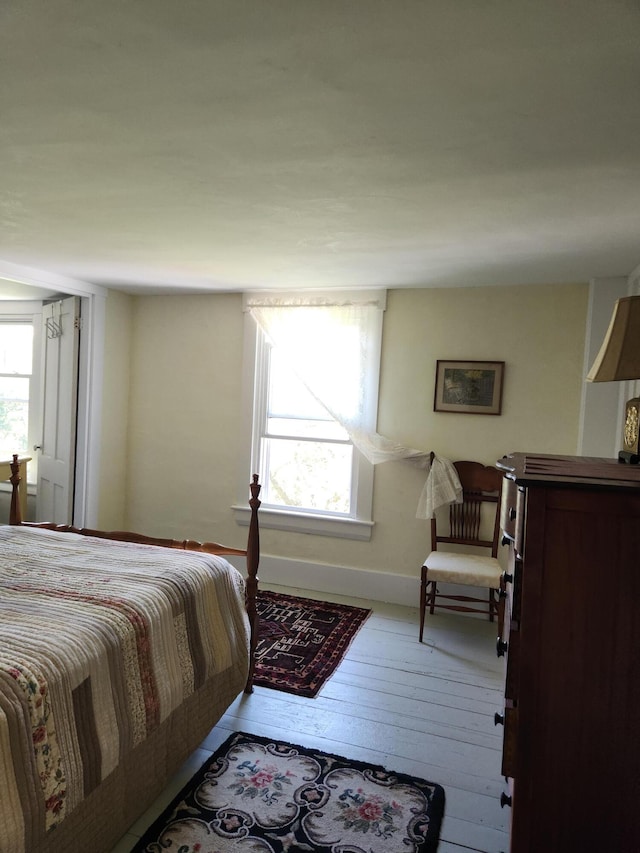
(359, 524)
(18, 312)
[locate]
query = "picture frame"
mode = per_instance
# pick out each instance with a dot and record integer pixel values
(469, 387)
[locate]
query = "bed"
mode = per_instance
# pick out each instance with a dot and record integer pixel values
(118, 654)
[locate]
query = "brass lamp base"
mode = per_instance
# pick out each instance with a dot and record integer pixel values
(630, 455)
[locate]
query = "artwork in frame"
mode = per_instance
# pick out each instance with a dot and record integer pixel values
(469, 387)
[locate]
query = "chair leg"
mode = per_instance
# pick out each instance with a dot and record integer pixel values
(423, 599)
(431, 595)
(428, 591)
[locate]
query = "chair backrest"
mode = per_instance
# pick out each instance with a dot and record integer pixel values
(481, 485)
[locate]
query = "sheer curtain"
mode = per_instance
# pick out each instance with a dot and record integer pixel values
(330, 341)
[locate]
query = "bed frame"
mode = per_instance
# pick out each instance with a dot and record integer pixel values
(251, 552)
(6, 472)
(99, 821)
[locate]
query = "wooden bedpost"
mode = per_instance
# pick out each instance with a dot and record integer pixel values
(15, 514)
(253, 558)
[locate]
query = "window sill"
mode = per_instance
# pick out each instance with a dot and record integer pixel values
(300, 522)
(7, 487)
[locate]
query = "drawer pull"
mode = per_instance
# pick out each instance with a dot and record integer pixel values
(501, 647)
(506, 540)
(507, 577)
(502, 593)
(505, 800)
(513, 514)
(498, 719)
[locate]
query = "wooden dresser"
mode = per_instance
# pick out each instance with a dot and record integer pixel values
(571, 716)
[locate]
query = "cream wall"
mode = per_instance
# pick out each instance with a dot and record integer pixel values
(538, 331)
(185, 416)
(185, 444)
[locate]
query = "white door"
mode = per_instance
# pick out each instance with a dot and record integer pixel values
(56, 462)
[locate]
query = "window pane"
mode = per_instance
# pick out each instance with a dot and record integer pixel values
(16, 347)
(14, 416)
(288, 395)
(304, 428)
(307, 474)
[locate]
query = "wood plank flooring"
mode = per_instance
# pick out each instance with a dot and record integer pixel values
(425, 709)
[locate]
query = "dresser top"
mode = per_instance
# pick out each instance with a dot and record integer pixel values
(531, 468)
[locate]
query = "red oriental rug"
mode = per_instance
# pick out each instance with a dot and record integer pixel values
(260, 795)
(301, 641)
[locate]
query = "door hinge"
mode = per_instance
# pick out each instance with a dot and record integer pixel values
(77, 323)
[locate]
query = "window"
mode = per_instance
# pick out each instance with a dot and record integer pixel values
(306, 457)
(16, 360)
(315, 383)
(19, 386)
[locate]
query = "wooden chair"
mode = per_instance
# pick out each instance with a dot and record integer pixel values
(481, 486)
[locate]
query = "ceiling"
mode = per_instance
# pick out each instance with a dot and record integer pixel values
(157, 145)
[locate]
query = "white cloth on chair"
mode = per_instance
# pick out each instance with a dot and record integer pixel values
(442, 488)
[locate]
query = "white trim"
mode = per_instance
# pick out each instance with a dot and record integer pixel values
(248, 391)
(336, 580)
(5, 486)
(300, 522)
(21, 309)
(321, 578)
(48, 280)
(377, 297)
(30, 311)
(90, 382)
(357, 526)
(90, 390)
(289, 520)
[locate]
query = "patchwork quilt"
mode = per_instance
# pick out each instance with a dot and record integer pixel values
(99, 642)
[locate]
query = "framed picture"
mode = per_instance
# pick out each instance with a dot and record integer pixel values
(469, 387)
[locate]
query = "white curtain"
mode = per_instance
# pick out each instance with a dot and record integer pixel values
(329, 340)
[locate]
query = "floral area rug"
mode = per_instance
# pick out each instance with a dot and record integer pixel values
(301, 641)
(256, 795)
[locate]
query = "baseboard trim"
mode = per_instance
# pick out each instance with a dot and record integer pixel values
(345, 580)
(336, 580)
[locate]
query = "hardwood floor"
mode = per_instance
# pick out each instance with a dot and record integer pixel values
(425, 709)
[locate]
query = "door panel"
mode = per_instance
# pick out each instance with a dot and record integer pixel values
(56, 465)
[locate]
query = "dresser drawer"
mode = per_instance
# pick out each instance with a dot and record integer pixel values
(509, 642)
(515, 595)
(512, 680)
(512, 584)
(509, 742)
(508, 512)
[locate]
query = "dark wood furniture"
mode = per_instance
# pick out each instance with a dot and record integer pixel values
(468, 526)
(6, 473)
(572, 639)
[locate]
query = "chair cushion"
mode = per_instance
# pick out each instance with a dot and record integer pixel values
(469, 569)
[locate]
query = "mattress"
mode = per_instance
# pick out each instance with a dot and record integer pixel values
(100, 643)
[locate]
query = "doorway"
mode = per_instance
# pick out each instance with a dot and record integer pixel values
(16, 283)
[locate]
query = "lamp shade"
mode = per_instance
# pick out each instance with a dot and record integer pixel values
(619, 356)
